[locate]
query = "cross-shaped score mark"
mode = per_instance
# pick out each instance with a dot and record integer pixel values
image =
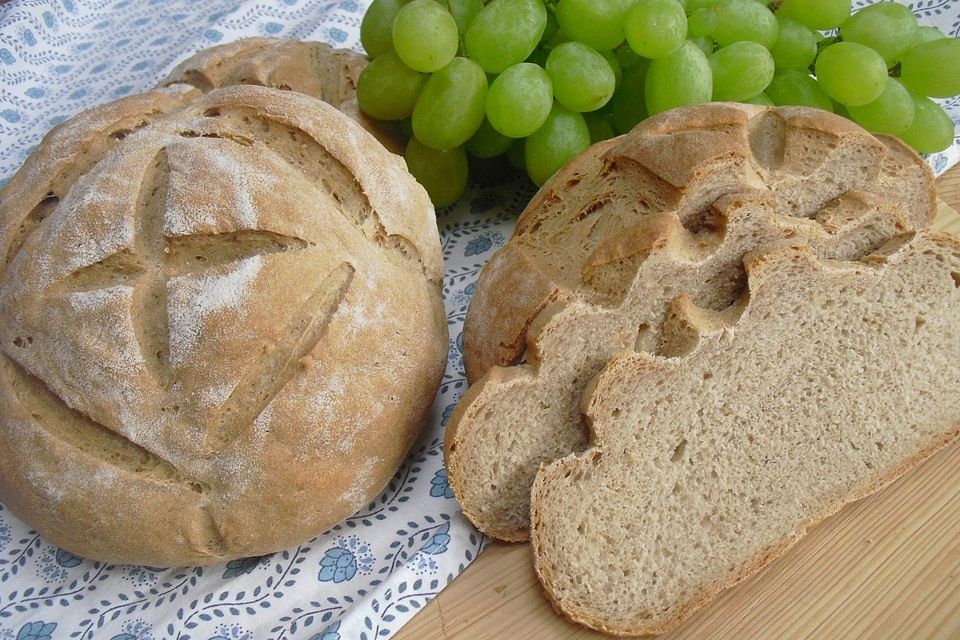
(157, 258)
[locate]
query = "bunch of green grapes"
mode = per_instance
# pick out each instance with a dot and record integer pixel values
(537, 83)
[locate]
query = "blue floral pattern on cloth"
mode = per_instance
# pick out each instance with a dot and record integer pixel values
(369, 574)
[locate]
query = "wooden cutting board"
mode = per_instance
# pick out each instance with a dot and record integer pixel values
(887, 567)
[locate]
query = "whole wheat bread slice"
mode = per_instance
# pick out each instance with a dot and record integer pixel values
(822, 385)
(672, 207)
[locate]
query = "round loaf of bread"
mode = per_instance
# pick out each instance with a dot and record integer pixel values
(220, 322)
(313, 68)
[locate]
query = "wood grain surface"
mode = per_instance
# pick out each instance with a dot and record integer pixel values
(884, 568)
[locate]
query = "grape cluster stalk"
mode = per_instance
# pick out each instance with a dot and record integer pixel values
(536, 83)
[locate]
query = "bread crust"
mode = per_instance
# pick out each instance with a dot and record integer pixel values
(312, 68)
(221, 326)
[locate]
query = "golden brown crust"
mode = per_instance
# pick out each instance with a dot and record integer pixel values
(312, 68)
(504, 309)
(220, 324)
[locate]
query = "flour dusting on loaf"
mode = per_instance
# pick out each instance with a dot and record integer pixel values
(192, 299)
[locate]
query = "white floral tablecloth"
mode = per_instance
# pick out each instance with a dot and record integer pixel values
(366, 577)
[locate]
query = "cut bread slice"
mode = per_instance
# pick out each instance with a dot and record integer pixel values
(822, 385)
(752, 177)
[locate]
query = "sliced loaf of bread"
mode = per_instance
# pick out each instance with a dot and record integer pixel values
(608, 244)
(823, 384)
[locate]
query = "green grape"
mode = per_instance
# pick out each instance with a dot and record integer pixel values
(582, 79)
(463, 12)
(629, 103)
(927, 34)
(891, 113)
(562, 136)
(596, 23)
(932, 129)
(451, 106)
(487, 142)
(516, 155)
(851, 73)
(933, 68)
(739, 20)
(741, 71)
(425, 36)
(654, 28)
(701, 22)
(599, 126)
(680, 78)
(796, 47)
(387, 89)
(792, 87)
(376, 29)
(816, 14)
(611, 59)
(519, 100)
(505, 32)
(442, 173)
(628, 58)
(705, 44)
(761, 99)
(886, 27)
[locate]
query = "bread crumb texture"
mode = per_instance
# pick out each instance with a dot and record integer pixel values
(220, 325)
(824, 384)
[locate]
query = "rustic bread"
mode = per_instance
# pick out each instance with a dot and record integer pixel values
(313, 68)
(822, 385)
(613, 238)
(220, 325)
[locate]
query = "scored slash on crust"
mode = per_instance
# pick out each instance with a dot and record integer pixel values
(159, 258)
(279, 362)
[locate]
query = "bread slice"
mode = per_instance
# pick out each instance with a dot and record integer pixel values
(823, 385)
(622, 240)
